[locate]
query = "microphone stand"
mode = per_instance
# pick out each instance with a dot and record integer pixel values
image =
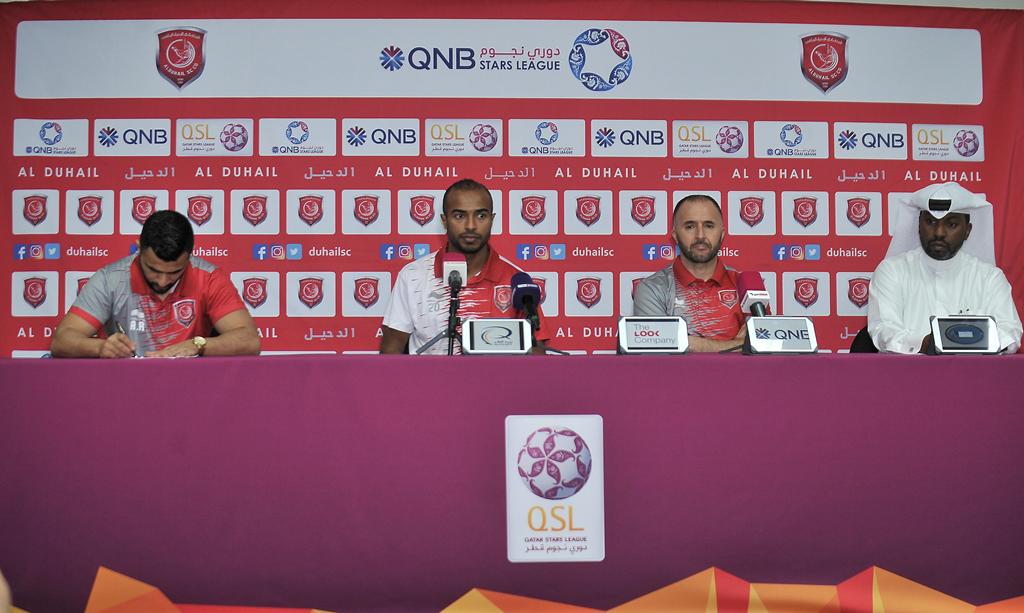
(453, 317)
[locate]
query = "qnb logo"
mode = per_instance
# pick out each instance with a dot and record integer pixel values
(422, 58)
(605, 137)
(554, 463)
(847, 139)
(51, 133)
(297, 132)
(356, 136)
(578, 59)
(546, 132)
(791, 135)
(108, 137)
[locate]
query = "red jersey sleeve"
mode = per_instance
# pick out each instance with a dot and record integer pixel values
(221, 296)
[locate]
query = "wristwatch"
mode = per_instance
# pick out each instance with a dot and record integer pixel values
(199, 343)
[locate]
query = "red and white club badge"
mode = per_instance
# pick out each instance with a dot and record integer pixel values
(366, 291)
(752, 210)
(143, 207)
(588, 209)
(34, 291)
(858, 211)
(588, 291)
(857, 290)
(254, 291)
(311, 291)
(200, 209)
(90, 209)
(502, 297)
(366, 209)
(254, 209)
(805, 210)
(311, 208)
(185, 311)
(642, 209)
(34, 209)
(805, 291)
(421, 209)
(181, 54)
(823, 60)
(728, 297)
(533, 209)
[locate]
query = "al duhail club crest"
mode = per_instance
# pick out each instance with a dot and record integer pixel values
(200, 209)
(857, 291)
(181, 54)
(90, 209)
(858, 211)
(421, 209)
(503, 297)
(805, 210)
(588, 291)
(642, 210)
(366, 210)
(254, 209)
(143, 207)
(533, 209)
(34, 210)
(728, 297)
(366, 292)
(823, 60)
(805, 291)
(254, 291)
(311, 208)
(185, 311)
(34, 292)
(311, 291)
(588, 209)
(752, 210)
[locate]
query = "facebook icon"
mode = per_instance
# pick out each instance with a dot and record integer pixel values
(780, 252)
(20, 252)
(524, 251)
(651, 251)
(387, 251)
(259, 251)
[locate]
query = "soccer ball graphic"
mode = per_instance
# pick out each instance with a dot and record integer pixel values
(966, 143)
(554, 463)
(729, 139)
(234, 136)
(483, 136)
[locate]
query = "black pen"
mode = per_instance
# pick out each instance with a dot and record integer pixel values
(120, 329)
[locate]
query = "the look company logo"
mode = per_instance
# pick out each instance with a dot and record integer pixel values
(823, 60)
(181, 54)
(554, 463)
(595, 37)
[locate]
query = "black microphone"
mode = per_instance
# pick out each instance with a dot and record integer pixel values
(526, 297)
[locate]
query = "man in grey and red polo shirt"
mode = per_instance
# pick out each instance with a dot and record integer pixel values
(418, 309)
(697, 286)
(161, 302)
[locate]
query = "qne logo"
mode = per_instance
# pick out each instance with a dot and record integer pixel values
(423, 58)
(403, 251)
(35, 251)
(277, 251)
(653, 251)
(540, 251)
(810, 252)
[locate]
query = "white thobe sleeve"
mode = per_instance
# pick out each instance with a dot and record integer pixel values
(886, 309)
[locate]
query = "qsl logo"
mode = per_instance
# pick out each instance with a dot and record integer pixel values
(554, 464)
(578, 59)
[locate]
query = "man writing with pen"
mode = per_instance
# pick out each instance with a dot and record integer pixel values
(161, 302)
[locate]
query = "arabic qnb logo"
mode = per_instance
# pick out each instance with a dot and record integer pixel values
(791, 135)
(297, 132)
(391, 58)
(51, 133)
(578, 59)
(108, 137)
(605, 137)
(546, 132)
(554, 463)
(356, 136)
(847, 139)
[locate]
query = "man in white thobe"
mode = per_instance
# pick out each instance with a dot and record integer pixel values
(931, 275)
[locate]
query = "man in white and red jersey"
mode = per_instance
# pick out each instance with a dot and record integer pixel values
(418, 309)
(697, 286)
(161, 302)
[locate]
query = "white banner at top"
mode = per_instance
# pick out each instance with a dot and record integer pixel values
(357, 58)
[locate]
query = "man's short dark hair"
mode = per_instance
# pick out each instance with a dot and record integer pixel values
(695, 198)
(464, 185)
(168, 234)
